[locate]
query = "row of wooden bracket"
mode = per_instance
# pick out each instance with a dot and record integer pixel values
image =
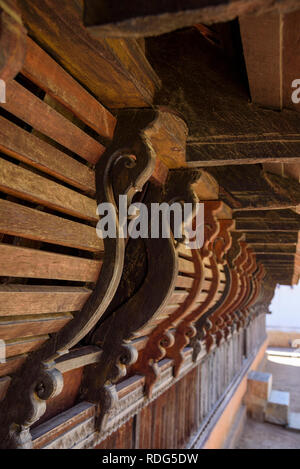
(153, 297)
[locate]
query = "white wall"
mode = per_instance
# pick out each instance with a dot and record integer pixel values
(285, 308)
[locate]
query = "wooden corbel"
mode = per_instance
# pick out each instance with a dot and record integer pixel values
(161, 339)
(186, 330)
(220, 242)
(257, 284)
(114, 335)
(123, 169)
(246, 276)
(224, 315)
(220, 246)
(250, 277)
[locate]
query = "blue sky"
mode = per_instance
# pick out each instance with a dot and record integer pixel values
(285, 307)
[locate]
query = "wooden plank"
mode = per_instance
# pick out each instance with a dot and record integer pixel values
(19, 220)
(27, 326)
(30, 109)
(40, 68)
(12, 364)
(24, 345)
(25, 184)
(62, 423)
(78, 358)
(30, 263)
(269, 237)
(35, 299)
(24, 146)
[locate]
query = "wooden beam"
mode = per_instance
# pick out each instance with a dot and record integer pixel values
(224, 129)
(267, 226)
(116, 73)
(112, 18)
(267, 215)
(272, 39)
(262, 44)
(250, 188)
(274, 248)
(269, 237)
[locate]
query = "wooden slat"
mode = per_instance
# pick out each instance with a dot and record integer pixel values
(34, 299)
(12, 364)
(23, 345)
(206, 285)
(18, 220)
(183, 250)
(30, 109)
(24, 146)
(185, 266)
(30, 263)
(40, 68)
(27, 326)
(184, 282)
(178, 297)
(25, 184)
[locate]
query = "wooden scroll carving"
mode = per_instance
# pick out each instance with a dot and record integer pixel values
(141, 308)
(123, 169)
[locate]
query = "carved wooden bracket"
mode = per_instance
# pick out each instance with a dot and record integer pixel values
(115, 334)
(220, 246)
(122, 169)
(186, 330)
